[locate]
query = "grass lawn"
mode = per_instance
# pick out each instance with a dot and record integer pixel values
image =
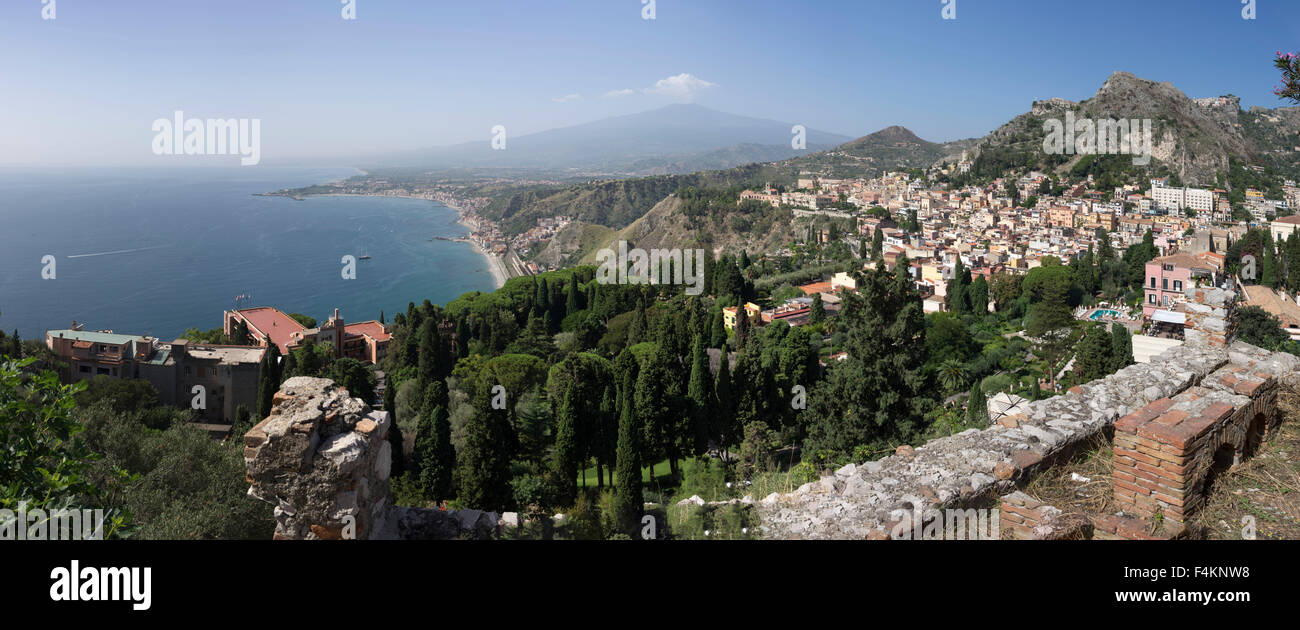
(662, 470)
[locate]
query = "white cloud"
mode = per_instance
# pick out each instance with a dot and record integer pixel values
(682, 87)
(569, 98)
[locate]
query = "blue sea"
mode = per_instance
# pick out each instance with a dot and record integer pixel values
(155, 252)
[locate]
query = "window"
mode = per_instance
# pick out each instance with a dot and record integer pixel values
(1151, 298)
(101, 370)
(1164, 284)
(1178, 285)
(84, 369)
(1153, 282)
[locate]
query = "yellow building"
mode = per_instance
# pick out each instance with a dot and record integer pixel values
(729, 315)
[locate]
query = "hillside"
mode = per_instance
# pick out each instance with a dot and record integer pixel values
(1193, 138)
(892, 148)
(617, 203)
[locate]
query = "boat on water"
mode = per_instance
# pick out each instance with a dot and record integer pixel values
(363, 256)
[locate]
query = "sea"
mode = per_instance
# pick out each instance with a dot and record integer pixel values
(155, 252)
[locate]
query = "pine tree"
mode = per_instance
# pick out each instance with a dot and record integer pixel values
(1121, 348)
(1035, 390)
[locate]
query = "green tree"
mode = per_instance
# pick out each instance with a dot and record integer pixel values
(977, 411)
(564, 459)
(483, 473)
(1093, 359)
(1258, 327)
(44, 460)
(627, 490)
(700, 392)
(875, 395)
(818, 313)
(1121, 348)
(268, 380)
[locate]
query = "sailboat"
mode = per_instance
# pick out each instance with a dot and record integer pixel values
(364, 255)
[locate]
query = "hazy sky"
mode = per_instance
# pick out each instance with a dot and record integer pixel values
(85, 87)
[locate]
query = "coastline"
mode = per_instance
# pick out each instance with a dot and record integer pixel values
(496, 264)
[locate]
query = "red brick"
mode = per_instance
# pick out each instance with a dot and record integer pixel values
(1248, 388)
(1160, 406)
(1025, 459)
(1136, 456)
(1134, 488)
(1172, 418)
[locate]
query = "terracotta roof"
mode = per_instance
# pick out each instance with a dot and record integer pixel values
(272, 323)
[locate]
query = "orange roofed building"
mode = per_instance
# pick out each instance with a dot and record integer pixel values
(364, 341)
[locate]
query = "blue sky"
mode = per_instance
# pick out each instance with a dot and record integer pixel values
(85, 87)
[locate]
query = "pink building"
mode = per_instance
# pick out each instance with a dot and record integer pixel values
(1167, 278)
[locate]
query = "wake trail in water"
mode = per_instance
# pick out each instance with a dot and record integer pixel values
(120, 251)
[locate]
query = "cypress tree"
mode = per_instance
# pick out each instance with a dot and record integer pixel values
(724, 412)
(977, 411)
(15, 346)
(429, 343)
(636, 331)
(397, 444)
(564, 460)
(437, 473)
(1121, 349)
(818, 312)
(572, 304)
(742, 326)
(718, 332)
(268, 380)
(1094, 355)
(700, 391)
(627, 482)
(877, 244)
(483, 473)
(435, 453)
(605, 442)
(462, 338)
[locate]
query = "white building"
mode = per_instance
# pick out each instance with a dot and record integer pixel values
(1198, 199)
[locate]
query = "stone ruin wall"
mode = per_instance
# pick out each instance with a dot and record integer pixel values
(322, 458)
(1169, 418)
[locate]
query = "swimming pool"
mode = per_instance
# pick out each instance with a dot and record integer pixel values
(1103, 312)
